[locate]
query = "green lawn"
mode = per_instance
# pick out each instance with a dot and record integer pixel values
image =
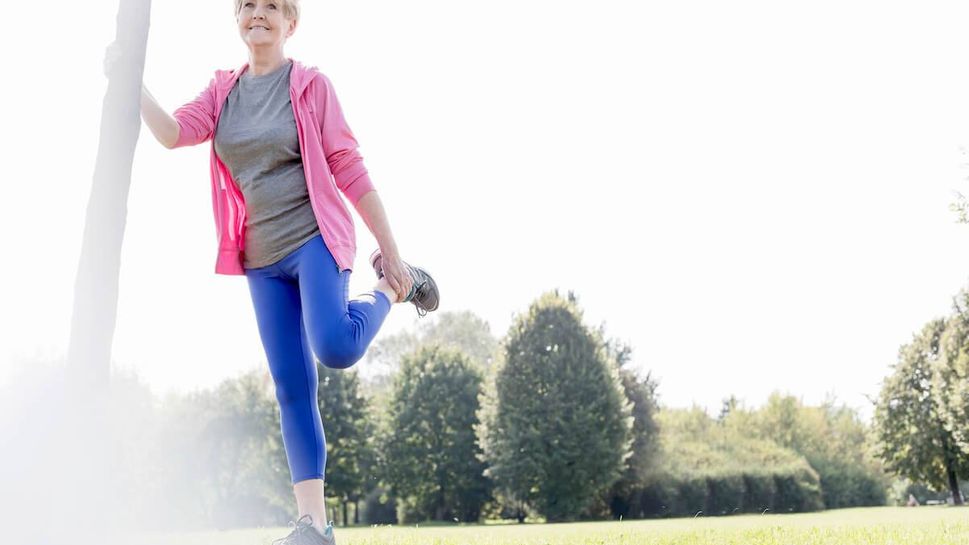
(875, 526)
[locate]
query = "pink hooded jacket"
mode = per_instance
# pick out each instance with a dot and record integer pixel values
(330, 162)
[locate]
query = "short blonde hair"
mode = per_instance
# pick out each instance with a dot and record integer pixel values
(290, 7)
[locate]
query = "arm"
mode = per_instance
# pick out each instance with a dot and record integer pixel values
(194, 121)
(162, 125)
(339, 144)
(371, 209)
(351, 177)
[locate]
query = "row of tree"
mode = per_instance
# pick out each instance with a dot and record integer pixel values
(551, 422)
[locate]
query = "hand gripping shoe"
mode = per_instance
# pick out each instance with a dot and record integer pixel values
(305, 534)
(423, 293)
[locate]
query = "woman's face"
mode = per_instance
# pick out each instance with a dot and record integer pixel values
(262, 24)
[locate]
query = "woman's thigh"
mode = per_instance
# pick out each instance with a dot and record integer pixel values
(278, 308)
(339, 330)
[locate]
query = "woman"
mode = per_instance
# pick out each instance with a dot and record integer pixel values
(278, 135)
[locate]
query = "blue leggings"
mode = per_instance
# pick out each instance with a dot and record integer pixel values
(302, 309)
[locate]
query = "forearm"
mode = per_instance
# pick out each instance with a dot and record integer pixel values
(161, 123)
(371, 209)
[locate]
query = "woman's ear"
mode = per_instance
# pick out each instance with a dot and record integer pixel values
(292, 28)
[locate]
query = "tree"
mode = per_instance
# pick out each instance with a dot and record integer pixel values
(555, 421)
(430, 453)
(86, 475)
(950, 386)
(831, 437)
(349, 454)
(463, 331)
(224, 464)
(641, 393)
(717, 467)
(912, 436)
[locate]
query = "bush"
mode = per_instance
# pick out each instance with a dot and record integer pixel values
(691, 496)
(725, 494)
(797, 490)
(847, 486)
(759, 490)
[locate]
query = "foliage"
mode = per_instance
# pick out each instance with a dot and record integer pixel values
(951, 377)
(833, 440)
(711, 468)
(911, 432)
(641, 464)
(464, 331)
(225, 465)
(430, 452)
(555, 421)
(350, 454)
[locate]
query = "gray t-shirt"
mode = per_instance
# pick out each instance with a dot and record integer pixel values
(256, 139)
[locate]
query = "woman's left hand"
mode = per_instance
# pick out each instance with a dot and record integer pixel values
(396, 274)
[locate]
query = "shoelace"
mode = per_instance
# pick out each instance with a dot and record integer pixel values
(421, 309)
(418, 294)
(299, 528)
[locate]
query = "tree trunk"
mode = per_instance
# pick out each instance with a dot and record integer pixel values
(441, 503)
(356, 512)
(951, 472)
(96, 283)
(345, 512)
(954, 487)
(88, 471)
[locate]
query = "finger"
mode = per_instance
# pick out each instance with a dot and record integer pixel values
(393, 281)
(405, 284)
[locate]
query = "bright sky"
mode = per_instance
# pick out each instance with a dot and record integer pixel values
(753, 194)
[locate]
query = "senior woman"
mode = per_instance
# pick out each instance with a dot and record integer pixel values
(282, 154)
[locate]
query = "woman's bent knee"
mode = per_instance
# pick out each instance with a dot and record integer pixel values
(337, 356)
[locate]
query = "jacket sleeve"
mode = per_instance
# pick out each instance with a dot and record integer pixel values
(339, 144)
(196, 119)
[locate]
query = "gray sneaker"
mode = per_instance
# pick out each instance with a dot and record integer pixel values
(423, 293)
(305, 534)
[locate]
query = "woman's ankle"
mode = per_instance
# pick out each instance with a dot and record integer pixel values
(384, 287)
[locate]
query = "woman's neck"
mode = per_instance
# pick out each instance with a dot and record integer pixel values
(264, 62)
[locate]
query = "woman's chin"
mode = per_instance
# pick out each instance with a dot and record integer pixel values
(257, 44)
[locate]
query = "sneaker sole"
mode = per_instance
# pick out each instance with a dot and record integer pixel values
(433, 284)
(373, 263)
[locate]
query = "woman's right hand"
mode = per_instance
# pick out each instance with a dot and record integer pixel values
(396, 274)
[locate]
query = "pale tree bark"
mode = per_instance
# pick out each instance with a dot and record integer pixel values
(98, 499)
(96, 283)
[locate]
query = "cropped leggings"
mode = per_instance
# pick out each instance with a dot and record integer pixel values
(302, 310)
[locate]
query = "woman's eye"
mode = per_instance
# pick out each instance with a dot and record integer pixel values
(272, 6)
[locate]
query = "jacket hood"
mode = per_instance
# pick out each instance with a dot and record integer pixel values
(300, 77)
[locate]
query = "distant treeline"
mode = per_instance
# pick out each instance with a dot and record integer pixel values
(550, 422)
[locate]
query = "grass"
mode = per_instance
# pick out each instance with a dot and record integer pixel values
(862, 526)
